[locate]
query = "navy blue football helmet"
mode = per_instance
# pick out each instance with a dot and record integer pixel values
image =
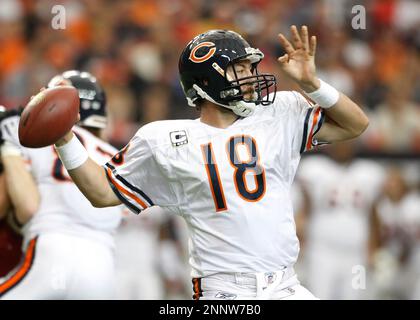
(92, 97)
(203, 67)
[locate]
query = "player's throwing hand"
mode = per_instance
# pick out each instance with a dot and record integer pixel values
(299, 61)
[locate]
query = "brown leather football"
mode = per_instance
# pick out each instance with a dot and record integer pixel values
(49, 116)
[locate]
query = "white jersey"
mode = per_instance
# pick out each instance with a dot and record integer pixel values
(341, 198)
(232, 186)
(400, 222)
(409, 212)
(63, 207)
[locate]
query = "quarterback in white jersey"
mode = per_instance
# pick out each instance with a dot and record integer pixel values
(229, 173)
(339, 222)
(210, 176)
(68, 243)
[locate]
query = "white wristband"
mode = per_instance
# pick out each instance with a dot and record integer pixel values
(73, 154)
(326, 96)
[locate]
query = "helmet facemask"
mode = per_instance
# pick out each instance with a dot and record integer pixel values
(238, 88)
(234, 94)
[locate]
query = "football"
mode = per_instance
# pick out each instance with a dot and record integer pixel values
(49, 116)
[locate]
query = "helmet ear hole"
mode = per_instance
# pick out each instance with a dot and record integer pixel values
(202, 81)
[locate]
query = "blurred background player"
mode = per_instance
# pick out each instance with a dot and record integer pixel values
(151, 261)
(68, 243)
(341, 191)
(173, 258)
(10, 239)
(136, 256)
(397, 258)
(12, 219)
(301, 207)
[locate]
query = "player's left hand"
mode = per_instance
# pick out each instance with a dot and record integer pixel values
(299, 61)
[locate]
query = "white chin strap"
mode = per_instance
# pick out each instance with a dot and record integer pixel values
(240, 108)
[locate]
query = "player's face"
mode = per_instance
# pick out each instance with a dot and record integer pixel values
(242, 69)
(395, 185)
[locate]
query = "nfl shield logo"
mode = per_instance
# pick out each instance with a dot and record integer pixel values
(270, 277)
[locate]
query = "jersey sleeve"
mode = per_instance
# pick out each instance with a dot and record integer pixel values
(308, 120)
(137, 178)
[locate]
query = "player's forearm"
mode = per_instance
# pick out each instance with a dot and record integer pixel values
(348, 116)
(91, 180)
(89, 177)
(347, 119)
(21, 188)
(344, 118)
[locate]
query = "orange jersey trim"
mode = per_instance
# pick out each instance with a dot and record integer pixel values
(122, 190)
(22, 271)
(314, 121)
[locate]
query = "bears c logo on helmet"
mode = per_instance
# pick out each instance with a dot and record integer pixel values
(207, 56)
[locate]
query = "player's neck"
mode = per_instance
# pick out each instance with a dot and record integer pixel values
(216, 116)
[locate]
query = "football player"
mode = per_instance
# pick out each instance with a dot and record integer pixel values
(228, 173)
(10, 238)
(68, 243)
(398, 209)
(13, 217)
(341, 192)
